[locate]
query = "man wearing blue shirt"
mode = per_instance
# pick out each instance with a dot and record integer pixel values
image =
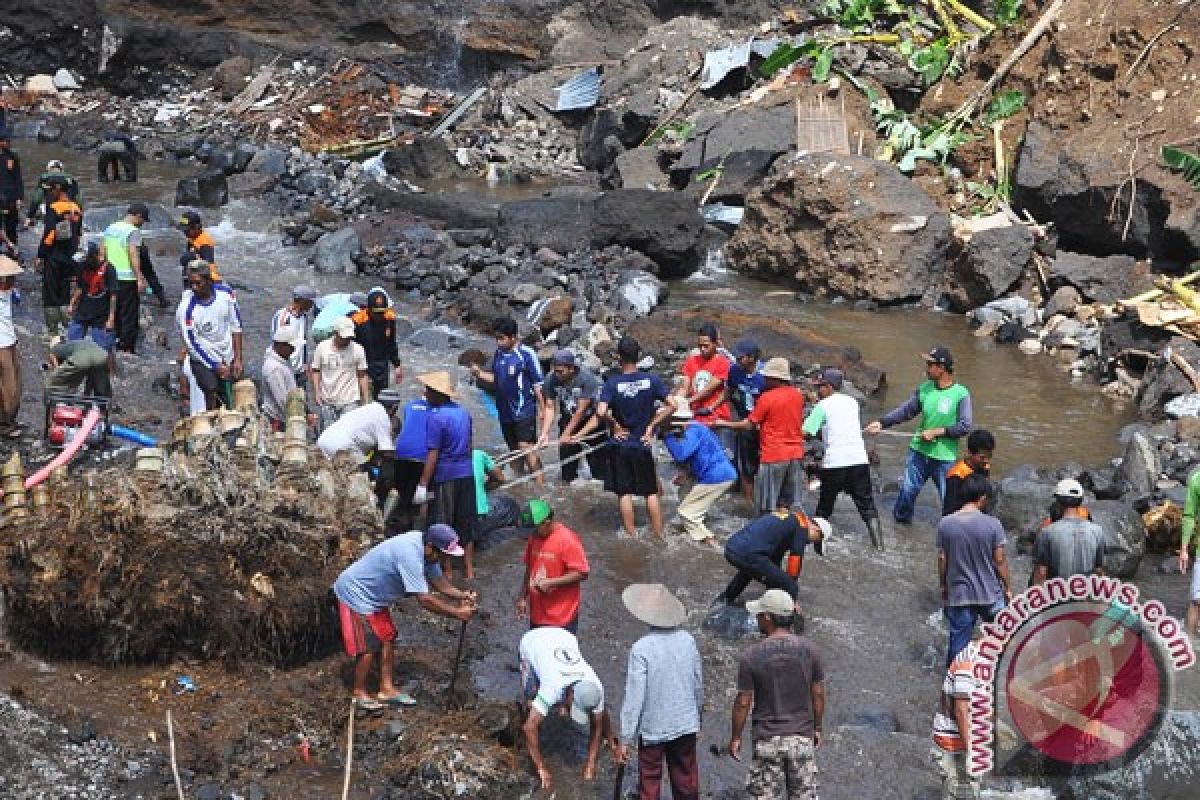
(517, 378)
(402, 566)
(742, 389)
(448, 480)
(698, 452)
(627, 405)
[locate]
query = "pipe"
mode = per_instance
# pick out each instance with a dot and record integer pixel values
(68, 452)
(130, 435)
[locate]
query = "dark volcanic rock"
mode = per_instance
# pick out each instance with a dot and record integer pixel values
(206, 190)
(663, 225)
(1101, 280)
(988, 266)
(1124, 536)
(843, 225)
(560, 222)
(1162, 381)
(422, 160)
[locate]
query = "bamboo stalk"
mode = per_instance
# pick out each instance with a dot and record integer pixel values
(1155, 294)
(349, 753)
(174, 764)
(970, 16)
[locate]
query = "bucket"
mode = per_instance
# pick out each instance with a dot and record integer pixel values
(14, 500)
(14, 484)
(295, 453)
(39, 496)
(149, 459)
(296, 430)
(295, 404)
(245, 395)
(13, 466)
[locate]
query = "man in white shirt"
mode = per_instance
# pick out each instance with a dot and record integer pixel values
(339, 374)
(845, 467)
(297, 317)
(553, 672)
(363, 430)
(211, 326)
(10, 359)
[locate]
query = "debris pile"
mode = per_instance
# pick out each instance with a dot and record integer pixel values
(218, 551)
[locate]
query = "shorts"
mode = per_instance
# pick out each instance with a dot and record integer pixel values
(365, 633)
(453, 504)
(779, 484)
(630, 471)
(1195, 584)
(520, 431)
(745, 457)
(205, 377)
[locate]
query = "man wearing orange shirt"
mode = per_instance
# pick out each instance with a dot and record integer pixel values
(555, 565)
(779, 418)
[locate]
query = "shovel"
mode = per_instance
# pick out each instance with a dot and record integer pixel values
(451, 700)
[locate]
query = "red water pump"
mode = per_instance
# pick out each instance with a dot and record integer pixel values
(65, 422)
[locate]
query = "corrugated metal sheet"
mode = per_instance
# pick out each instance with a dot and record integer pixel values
(719, 63)
(582, 91)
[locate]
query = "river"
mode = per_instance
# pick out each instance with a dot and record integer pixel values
(873, 616)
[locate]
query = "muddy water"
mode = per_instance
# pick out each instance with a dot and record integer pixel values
(873, 616)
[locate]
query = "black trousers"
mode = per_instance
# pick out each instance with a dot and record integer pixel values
(12, 218)
(756, 567)
(854, 481)
(110, 164)
(129, 302)
(597, 461)
(151, 277)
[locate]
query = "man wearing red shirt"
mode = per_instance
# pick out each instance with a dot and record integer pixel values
(779, 417)
(706, 371)
(555, 565)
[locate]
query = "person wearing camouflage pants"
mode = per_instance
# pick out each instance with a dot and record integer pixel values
(782, 679)
(783, 767)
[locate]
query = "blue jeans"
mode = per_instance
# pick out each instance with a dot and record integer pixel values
(104, 339)
(918, 469)
(961, 621)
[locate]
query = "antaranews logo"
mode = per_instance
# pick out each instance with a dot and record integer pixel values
(1078, 670)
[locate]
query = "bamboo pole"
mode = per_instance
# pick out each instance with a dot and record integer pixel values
(174, 764)
(349, 753)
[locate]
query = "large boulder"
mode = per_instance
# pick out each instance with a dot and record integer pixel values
(269, 160)
(1075, 189)
(1140, 466)
(456, 209)
(987, 266)
(249, 184)
(230, 76)
(1163, 381)
(1124, 536)
(206, 190)
(639, 169)
(335, 252)
(561, 221)
(741, 173)
(716, 135)
(1023, 500)
(1100, 280)
(423, 159)
(666, 226)
(843, 225)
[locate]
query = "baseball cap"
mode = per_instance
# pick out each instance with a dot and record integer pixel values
(304, 292)
(773, 601)
(188, 218)
(586, 697)
(377, 300)
(747, 347)
(826, 531)
(444, 538)
(343, 327)
(138, 209)
(564, 358)
(1069, 488)
(535, 513)
(54, 163)
(832, 377)
(939, 355)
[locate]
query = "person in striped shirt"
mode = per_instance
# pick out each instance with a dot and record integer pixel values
(952, 718)
(211, 326)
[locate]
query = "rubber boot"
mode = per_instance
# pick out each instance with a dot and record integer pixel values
(875, 529)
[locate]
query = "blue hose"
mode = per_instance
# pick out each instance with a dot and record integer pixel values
(129, 434)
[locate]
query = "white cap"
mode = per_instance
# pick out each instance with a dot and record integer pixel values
(344, 327)
(1069, 488)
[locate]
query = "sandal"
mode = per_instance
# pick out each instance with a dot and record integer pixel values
(397, 700)
(368, 705)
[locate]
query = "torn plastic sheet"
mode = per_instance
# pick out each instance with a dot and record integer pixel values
(582, 91)
(719, 63)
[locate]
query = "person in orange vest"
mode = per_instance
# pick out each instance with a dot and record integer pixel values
(980, 446)
(56, 252)
(375, 330)
(200, 245)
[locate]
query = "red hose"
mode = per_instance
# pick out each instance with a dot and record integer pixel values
(68, 452)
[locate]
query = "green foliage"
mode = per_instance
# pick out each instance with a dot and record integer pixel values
(679, 131)
(935, 61)
(1004, 105)
(822, 65)
(1184, 162)
(859, 15)
(1007, 12)
(708, 174)
(787, 54)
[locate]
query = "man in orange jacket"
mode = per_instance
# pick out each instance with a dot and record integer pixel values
(200, 245)
(56, 253)
(375, 330)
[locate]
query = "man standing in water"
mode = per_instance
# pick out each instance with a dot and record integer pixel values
(944, 408)
(123, 250)
(783, 680)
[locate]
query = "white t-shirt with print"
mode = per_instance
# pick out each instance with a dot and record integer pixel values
(551, 657)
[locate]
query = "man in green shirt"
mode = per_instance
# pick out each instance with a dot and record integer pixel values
(944, 408)
(1189, 527)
